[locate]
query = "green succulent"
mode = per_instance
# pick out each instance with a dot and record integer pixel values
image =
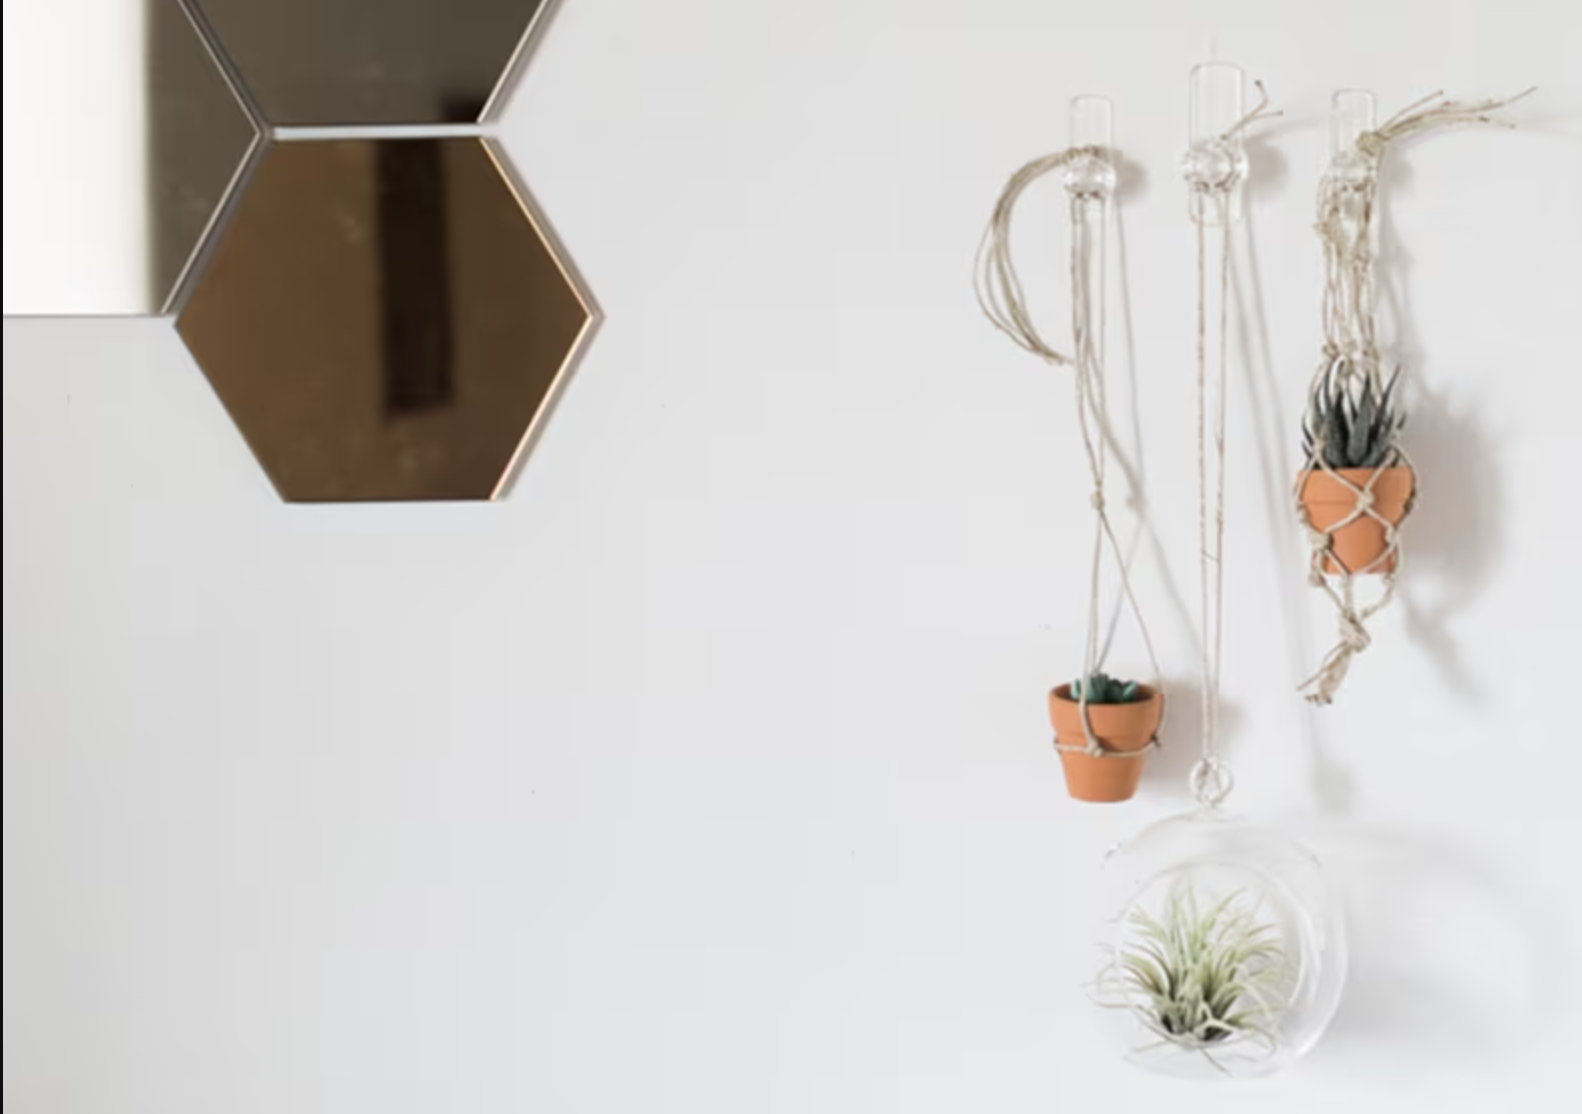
(1353, 419)
(1104, 689)
(1201, 977)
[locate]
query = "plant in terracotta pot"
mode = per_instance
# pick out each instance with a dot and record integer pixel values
(1357, 487)
(1124, 717)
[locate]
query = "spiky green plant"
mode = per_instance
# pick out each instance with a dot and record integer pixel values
(1353, 418)
(1104, 689)
(1202, 977)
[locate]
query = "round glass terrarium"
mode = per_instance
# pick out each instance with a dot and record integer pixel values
(1225, 950)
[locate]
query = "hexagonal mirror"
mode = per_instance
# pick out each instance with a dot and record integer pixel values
(123, 139)
(311, 63)
(384, 319)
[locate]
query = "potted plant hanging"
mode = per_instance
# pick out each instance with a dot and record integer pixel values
(1104, 728)
(1103, 761)
(1358, 487)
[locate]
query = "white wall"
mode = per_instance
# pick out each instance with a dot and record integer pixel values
(708, 772)
(77, 197)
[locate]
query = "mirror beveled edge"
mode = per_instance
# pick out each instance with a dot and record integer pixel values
(387, 319)
(371, 63)
(95, 228)
(569, 327)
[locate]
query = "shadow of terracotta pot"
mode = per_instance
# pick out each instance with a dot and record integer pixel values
(1358, 546)
(1125, 728)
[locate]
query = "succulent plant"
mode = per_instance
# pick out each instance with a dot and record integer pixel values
(1201, 977)
(1353, 418)
(1104, 689)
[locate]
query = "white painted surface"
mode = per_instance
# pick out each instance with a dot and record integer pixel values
(75, 156)
(708, 772)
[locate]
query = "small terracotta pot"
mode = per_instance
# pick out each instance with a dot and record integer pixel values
(1358, 544)
(1122, 727)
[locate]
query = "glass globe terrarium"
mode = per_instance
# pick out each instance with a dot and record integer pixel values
(1224, 953)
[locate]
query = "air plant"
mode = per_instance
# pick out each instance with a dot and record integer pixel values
(1104, 689)
(1204, 978)
(1353, 418)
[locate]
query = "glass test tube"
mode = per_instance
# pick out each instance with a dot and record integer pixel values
(1216, 103)
(1092, 121)
(1351, 113)
(1091, 177)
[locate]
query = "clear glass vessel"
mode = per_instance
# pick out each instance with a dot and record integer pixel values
(1215, 167)
(1351, 115)
(1092, 125)
(1223, 952)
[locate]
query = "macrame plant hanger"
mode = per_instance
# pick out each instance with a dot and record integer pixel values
(1088, 172)
(1215, 169)
(1357, 485)
(1224, 951)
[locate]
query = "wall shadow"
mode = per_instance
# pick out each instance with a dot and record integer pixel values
(1451, 966)
(1453, 540)
(1167, 773)
(1268, 170)
(1123, 436)
(1277, 450)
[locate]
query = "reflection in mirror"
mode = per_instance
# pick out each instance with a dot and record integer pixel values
(122, 141)
(384, 319)
(311, 63)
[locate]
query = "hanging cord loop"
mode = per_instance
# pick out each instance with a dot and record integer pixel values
(1353, 367)
(1214, 168)
(1088, 174)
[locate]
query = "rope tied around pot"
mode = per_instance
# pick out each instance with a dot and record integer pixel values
(1088, 174)
(1351, 370)
(1095, 748)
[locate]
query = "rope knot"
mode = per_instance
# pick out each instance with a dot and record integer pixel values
(1098, 501)
(1353, 634)
(1366, 499)
(1371, 143)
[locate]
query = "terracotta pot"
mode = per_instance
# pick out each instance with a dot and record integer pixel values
(1123, 727)
(1357, 545)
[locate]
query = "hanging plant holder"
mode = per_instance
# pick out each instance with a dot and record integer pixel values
(1223, 951)
(1358, 512)
(1104, 729)
(1357, 486)
(1121, 719)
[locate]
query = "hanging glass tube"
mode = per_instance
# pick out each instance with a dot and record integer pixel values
(1091, 174)
(1216, 160)
(1351, 113)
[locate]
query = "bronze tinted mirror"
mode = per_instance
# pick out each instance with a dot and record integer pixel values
(359, 62)
(122, 140)
(384, 319)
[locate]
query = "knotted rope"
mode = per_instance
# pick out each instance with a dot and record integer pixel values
(1346, 226)
(1088, 174)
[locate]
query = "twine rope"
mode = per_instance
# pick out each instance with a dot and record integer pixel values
(1004, 302)
(1346, 226)
(1211, 779)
